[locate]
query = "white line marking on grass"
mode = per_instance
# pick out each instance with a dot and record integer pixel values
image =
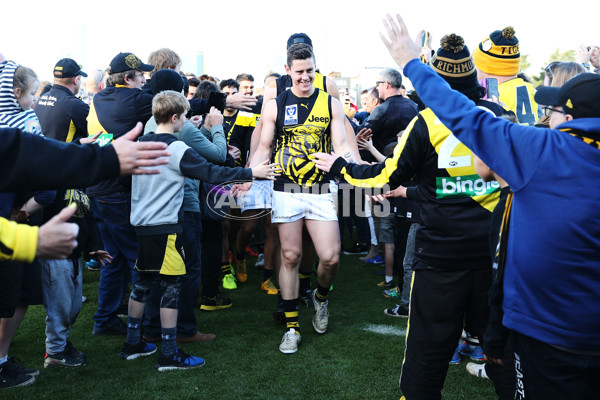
(385, 330)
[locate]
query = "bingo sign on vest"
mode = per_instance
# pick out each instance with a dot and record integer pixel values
(104, 139)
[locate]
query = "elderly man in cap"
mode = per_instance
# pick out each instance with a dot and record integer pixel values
(63, 117)
(552, 250)
(115, 110)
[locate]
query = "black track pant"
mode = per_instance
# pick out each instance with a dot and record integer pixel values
(439, 301)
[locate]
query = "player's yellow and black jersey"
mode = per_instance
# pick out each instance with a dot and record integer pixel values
(238, 131)
(285, 82)
(302, 128)
(518, 97)
(456, 204)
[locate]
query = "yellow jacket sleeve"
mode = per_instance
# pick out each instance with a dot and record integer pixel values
(18, 242)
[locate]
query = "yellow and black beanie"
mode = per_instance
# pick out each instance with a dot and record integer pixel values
(498, 54)
(454, 63)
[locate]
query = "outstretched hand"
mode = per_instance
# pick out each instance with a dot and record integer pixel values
(324, 161)
(401, 47)
(90, 139)
(240, 189)
(134, 155)
(266, 171)
(400, 191)
(364, 134)
(240, 101)
(102, 256)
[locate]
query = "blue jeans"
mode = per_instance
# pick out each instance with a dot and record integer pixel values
(61, 286)
(120, 241)
(190, 284)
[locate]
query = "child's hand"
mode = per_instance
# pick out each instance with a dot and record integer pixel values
(234, 152)
(196, 120)
(102, 256)
(364, 143)
(265, 171)
(364, 134)
(239, 189)
(90, 139)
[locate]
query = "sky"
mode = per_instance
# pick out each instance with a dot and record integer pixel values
(250, 36)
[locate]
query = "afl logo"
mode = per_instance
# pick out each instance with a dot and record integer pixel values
(452, 163)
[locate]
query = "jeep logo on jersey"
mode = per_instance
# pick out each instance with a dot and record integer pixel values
(221, 202)
(314, 118)
(463, 186)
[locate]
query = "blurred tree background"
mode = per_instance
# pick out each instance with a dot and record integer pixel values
(537, 77)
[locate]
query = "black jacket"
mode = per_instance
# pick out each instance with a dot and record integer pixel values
(388, 119)
(62, 115)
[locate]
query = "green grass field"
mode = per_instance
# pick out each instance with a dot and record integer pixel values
(351, 361)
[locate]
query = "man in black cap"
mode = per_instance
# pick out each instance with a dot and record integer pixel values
(62, 115)
(118, 107)
(115, 110)
(551, 259)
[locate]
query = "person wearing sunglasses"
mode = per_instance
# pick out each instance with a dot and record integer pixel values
(557, 73)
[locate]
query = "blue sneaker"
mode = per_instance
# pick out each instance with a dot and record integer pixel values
(179, 360)
(133, 351)
(92, 265)
(475, 353)
(456, 359)
(375, 260)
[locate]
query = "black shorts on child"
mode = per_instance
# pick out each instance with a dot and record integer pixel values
(160, 253)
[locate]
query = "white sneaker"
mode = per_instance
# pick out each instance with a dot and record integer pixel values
(477, 370)
(260, 261)
(321, 317)
(289, 342)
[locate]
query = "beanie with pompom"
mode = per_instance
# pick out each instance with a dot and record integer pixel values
(498, 54)
(454, 63)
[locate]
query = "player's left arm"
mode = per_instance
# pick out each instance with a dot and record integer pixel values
(338, 135)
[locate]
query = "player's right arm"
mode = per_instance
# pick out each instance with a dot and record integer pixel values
(267, 133)
(270, 94)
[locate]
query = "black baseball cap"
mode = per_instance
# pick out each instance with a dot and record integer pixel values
(579, 96)
(126, 62)
(67, 68)
(299, 38)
